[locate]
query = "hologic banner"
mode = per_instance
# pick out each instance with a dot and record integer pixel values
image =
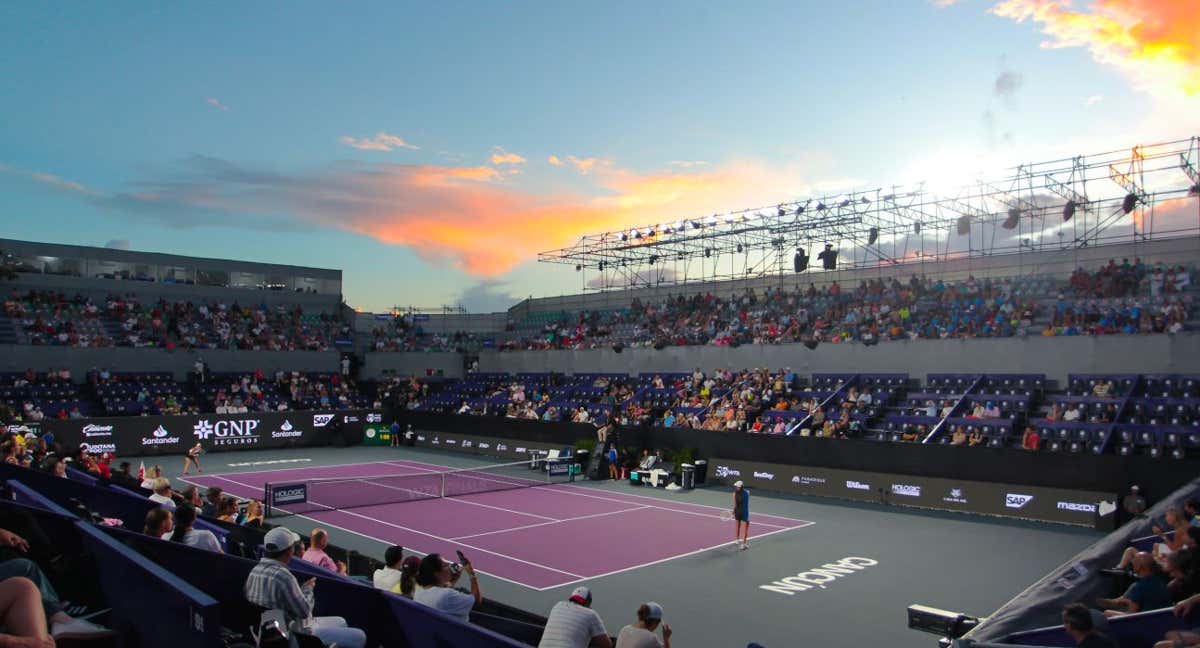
(1085, 508)
(155, 435)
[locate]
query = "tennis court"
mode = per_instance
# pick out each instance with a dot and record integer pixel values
(543, 537)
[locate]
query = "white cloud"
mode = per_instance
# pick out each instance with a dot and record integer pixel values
(1093, 100)
(216, 103)
(381, 142)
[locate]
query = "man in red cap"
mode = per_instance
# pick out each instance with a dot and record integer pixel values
(574, 624)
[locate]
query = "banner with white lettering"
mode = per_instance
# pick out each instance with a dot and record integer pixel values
(154, 435)
(1067, 506)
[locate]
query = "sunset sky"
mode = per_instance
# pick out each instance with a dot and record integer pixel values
(430, 151)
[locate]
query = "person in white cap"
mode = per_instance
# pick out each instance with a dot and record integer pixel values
(641, 634)
(741, 515)
(272, 586)
(574, 624)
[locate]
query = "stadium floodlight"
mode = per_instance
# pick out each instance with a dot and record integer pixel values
(800, 209)
(637, 234)
(844, 203)
(917, 227)
(781, 212)
(739, 247)
(712, 220)
(864, 200)
(649, 231)
(695, 224)
(820, 206)
(1069, 210)
(872, 235)
(964, 225)
(578, 268)
(678, 226)
(1131, 200)
(624, 236)
(707, 251)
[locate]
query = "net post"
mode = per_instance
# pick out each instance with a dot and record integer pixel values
(442, 492)
(268, 505)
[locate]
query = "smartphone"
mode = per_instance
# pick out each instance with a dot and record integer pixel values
(462, 559)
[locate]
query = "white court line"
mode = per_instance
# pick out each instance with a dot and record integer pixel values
(659, 507)
(454, 498)
(379, 540)
(662, 560)
(429, 535)
(540, 524)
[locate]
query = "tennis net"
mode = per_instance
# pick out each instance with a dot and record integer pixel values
(330, 494)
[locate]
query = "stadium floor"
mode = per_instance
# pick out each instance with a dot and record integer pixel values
(713, 597)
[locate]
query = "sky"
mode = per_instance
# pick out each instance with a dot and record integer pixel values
(431, 150)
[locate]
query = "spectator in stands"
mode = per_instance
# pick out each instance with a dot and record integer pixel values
(389, 576)
(185, 518)
(228, 510)
(123, 477)
(976, 438)
(1177, 539)
(22, 616)
(959, 437)
(990, 410)
(272, 586)
(435, 587)
(641, 633)
(1072, 413)
(159, 522)
(212, 499)
(1149, 592)
(1191, 509)
(316, 555)
(62, 625)
(1030, 439)
(254, 515)
(56, 467)
(1177, 638)
(1102, 388)
(1133, 503)
(1055, 413)
(1184, 579)
(408, 579)
(162, 493)
(574, 624)
(1077, 621)
(153, 473)
(191, 495)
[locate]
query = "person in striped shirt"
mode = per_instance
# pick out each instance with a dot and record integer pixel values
(272, 586)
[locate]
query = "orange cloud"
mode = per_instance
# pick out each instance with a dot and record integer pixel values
(381, 142)
(554, 160)
(1155, 42)
(500, 156)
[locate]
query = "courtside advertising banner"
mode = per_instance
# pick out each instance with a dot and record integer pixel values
(513, 449)
(155, 435)
(1085, 508)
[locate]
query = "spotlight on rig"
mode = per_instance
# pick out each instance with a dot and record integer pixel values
(624, 236)
(964, 225)
(739, 248)
(872, 235)
(707, 252)
(578, 268)
(820, 206)
(1131, 201)
(1069, 210)
(917, 227)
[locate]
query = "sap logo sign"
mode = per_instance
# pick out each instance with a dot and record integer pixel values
(484, 446)
(857, 485)
(321, 420)
(726, 471)
(819, 576)
(420, 437)
(1015, 501)
(1077, 507)
(907, 490)
(764, 475)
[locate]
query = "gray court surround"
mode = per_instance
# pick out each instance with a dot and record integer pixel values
(842, 581)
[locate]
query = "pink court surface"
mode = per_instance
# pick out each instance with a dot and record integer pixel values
(541, 537)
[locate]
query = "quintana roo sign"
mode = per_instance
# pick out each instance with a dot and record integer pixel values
(818, 577)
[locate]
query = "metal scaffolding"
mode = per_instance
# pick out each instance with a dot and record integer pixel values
(1101, 199)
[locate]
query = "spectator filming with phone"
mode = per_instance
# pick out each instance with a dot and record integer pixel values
(435, 586)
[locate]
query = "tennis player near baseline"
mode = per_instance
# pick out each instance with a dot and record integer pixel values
(741, 515)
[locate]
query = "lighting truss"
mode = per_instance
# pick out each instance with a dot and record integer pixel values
(914, 225)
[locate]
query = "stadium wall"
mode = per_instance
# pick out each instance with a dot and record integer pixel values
(20, 357)
(380, 365)
(1054, 356)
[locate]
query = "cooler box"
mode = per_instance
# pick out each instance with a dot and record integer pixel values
(701, 471)
(687, 476)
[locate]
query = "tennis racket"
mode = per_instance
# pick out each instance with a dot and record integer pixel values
(727, 515)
